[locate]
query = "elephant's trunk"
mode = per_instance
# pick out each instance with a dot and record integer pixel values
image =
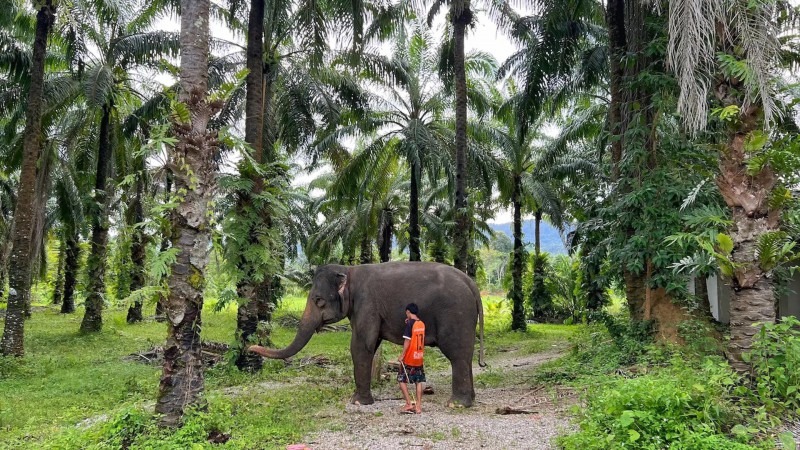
(309, 323)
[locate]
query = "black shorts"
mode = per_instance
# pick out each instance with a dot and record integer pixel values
(411, 374)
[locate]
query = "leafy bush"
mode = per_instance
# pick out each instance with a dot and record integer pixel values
(680, 408)
(775, 362)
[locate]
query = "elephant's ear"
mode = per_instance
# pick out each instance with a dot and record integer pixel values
(341, 281)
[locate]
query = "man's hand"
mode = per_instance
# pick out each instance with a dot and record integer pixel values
(400, 358)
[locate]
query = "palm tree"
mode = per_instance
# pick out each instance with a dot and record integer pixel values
(27, 200)
(192, 165)
(122, 45)
(406, 119)
(731, 49)
(278, 34)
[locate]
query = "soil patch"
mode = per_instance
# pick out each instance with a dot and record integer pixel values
(381, 426)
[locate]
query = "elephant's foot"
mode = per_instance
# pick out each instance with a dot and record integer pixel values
(460, 401)
(362, 399)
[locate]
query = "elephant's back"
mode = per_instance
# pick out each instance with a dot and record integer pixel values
(420, 282)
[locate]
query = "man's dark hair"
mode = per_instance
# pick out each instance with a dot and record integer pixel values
(412, 308)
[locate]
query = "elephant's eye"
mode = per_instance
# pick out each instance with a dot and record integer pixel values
(320, 302)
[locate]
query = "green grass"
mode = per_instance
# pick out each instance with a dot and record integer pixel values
(67, 378)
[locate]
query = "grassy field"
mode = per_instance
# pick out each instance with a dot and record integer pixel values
(76, 391)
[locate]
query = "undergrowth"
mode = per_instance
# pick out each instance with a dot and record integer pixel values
(643, 395)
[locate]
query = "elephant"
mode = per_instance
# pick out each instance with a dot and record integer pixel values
(374, 296)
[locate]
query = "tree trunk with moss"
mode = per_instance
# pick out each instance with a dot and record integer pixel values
(386, 228)
(194, 172)
(96, 264)
(413, 216)
(753, 297)
(517, 300)
(461, 16)
(138, 246)
(58, 288)
(70, 271)
(248, 287)
(20, 276)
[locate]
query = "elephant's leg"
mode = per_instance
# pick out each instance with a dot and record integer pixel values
(458, 347)
(363, 353)
(463, 389)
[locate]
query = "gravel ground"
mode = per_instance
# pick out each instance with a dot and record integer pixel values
(381, 426)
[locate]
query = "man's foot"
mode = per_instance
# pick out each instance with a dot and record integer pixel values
(418, 410)
(408, 408)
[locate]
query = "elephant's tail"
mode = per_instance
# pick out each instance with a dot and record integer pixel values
(480, 321)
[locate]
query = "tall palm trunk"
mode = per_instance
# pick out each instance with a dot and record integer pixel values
(58, 290)
(248, 288)
(413, 215)
(752, 297)
(70, 271)
(518, 308)
(96, 264)
(366, 250)
(461, 16)
(541, 303)
(165, 243)
(270, 288)
(138, 246)
(25, 213)
(192, 163)
(615, 18)
(385, 235)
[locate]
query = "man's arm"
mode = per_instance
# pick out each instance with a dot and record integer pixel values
(406, 343)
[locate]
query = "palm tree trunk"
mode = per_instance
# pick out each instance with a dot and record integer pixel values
(385, 235)
(413, 215)
(96, 264)
(461, 15)
(160, 315)
(752, 297)
(25, 213)
(615, 18)
(542, 305)
(58, 290)
(248, 288)
(518, 308)
(138, 246)
(366, 250)
(192, 163)
(70, 271)
(537, 232)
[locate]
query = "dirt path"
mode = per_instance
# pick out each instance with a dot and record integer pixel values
(380, 426)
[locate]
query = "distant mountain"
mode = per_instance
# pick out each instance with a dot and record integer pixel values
(551, 240)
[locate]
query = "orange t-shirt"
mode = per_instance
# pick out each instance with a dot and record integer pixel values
(416, 347)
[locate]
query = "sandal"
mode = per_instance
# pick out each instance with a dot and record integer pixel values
(408, 410)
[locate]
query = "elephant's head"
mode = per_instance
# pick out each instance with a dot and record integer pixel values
(328, 302)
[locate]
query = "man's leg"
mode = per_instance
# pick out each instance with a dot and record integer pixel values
(404, 389)
(419, 397)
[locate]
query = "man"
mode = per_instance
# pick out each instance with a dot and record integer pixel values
(411, 366)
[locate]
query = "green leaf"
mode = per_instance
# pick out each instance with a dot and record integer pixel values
(787, 440)
(755, 141)
(626, 419)
(633, 435)
(725, 243)
(180, 112)
(739, 430)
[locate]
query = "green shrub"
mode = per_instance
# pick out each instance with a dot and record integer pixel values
(775, 362)
(680, 408)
